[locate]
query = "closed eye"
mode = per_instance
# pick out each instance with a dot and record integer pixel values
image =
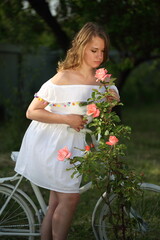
(94, 51)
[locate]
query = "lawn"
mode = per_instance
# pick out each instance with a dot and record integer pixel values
(143, 154)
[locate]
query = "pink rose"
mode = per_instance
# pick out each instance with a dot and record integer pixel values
(101, 74)
(63, 153)
(112, 140)
(93, 110)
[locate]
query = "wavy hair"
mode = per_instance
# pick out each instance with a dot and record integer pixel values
(74, 55)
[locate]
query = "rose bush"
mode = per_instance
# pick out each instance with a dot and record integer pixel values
(104, 161)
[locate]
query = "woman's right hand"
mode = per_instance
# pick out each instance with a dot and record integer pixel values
(75, 121)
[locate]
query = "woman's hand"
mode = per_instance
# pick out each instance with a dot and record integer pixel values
(75, 121)
(113, 96)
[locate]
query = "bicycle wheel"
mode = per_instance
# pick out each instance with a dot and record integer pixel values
(144, 217)
(16, 219)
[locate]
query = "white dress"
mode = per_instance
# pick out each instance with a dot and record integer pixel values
(37, 159)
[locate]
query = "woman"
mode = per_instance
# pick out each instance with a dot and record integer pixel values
(54, 110)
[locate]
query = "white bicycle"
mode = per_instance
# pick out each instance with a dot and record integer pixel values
(20, 215)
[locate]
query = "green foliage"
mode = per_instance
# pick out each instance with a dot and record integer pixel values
(143, 85)
(133, 28)
(106, 165)
(132, 25)
(20, 25)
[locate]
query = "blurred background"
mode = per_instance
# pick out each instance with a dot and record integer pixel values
(34, 36)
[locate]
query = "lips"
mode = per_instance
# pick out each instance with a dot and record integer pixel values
(98, 63)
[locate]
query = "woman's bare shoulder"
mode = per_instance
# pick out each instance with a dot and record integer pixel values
(62, 77)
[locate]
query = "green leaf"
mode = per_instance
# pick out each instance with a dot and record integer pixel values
(106, 133)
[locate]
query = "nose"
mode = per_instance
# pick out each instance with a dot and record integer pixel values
(100, 55)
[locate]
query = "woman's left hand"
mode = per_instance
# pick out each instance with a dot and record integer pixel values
(113, 96)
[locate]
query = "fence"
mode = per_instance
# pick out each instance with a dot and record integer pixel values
(22, 72)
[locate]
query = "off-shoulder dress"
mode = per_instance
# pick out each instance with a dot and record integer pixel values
(37, 159)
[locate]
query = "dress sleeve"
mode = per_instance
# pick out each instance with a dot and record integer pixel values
(46, 92)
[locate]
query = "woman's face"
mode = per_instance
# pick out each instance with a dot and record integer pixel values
(94, 52)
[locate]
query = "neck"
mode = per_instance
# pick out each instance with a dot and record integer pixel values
(86, 72)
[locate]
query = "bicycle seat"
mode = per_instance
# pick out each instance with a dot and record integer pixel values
(14, 156)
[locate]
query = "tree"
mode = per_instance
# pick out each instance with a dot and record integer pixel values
(18, 25)
(133, 26)
(42, 8)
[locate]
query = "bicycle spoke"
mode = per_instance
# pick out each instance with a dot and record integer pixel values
(16, 218)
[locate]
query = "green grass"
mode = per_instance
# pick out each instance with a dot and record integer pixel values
(144, 145)
(143, 154)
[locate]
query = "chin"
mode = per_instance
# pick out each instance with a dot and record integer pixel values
(96, 65)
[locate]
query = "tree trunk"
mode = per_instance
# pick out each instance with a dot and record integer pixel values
(42, 9)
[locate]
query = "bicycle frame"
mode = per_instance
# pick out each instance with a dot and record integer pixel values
(17, 177)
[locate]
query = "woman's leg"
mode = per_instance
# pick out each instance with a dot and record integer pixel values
(46, 228)
(63, 214)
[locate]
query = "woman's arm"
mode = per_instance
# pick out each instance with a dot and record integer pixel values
(36, 111)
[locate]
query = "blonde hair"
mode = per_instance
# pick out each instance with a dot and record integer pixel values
(74, 55)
